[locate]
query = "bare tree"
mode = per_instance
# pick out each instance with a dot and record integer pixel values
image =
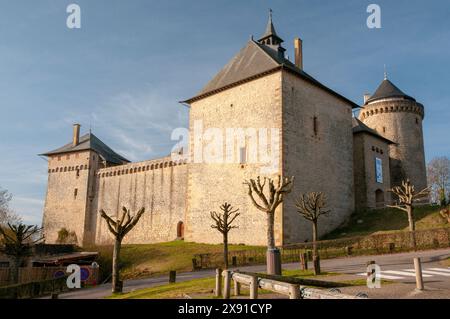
(18, 241)
(407, 197)
(119, 228)
(439, 179)
(268, 203)
(311, 206)
(223, 223)
(7, 215)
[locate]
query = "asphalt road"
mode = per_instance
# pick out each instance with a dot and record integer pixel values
(396, 267)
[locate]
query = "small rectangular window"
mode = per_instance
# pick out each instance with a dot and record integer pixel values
(315, 125)
(59, 158)
(67, 156)
(75, 193)
(243, 155)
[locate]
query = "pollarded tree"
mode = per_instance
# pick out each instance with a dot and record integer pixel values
(7, 215)
(119, 228)
(18, 241)
(268, 202)
(439, 178)
(407, 197)
(223, 223)
(311, 206)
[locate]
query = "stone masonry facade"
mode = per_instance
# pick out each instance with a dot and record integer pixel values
(310, 132)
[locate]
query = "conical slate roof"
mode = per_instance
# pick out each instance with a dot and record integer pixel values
(270, 30)
(91, 142)
(388, 90)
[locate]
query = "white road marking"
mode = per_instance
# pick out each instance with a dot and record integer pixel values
(432, 272)
(440, 269)
(404, 273)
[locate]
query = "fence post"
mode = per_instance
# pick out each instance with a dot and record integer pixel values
(226, 284)
(237, 288)
(294, 292)
(418, 270)
(218, 290)
(254, 288)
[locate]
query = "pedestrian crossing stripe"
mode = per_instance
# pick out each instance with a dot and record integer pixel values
(404, 273)
(401, 274)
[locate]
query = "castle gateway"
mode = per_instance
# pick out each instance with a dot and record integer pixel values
(354, 161)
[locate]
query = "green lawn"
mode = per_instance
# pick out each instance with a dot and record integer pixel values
(446, 262)
(156, 259)
(388, 220)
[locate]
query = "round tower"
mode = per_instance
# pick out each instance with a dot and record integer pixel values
(398, 117)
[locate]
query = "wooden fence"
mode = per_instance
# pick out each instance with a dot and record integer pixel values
(280, 286)
(89, 275)
(361, 245)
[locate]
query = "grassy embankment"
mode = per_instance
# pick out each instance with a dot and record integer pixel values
(387, 220)
(156, 259)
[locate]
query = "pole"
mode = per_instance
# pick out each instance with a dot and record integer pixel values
(418, 270)
(218, 290)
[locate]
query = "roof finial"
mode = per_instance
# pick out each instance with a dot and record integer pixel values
(270, 14)
(385, 73)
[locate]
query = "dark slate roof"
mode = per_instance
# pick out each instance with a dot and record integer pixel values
(91, 142)
(254, 60)
(360, 127)
(388, 90)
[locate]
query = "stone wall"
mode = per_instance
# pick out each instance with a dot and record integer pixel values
(401, 122)
(255, 104)
(366, 149)
(318, 151)
(68, 194)
(158, 185)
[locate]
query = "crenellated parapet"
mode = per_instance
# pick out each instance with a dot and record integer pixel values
(391, 106)
(139, 167)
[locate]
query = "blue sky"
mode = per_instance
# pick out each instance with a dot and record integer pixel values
(123, 72)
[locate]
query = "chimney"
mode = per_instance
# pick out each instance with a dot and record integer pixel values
(366, 97)
(298, 47)
(76, 134)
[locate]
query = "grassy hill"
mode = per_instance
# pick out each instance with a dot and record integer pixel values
(156, 259)
(388, 220)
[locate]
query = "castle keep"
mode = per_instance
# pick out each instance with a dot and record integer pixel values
(353, 160)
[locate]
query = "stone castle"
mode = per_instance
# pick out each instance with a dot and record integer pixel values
(353, 160)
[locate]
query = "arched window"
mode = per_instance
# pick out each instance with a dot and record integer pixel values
(180, 230)
(379, 198)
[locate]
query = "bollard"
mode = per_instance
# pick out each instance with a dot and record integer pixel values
(218, 290)
(226, 284)
(254, 288)
(237, 288)
(304, 261)
(418, 270)
(172, 277)
(54, 295)
(234, 261)
(349, 250)
(294, 292)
